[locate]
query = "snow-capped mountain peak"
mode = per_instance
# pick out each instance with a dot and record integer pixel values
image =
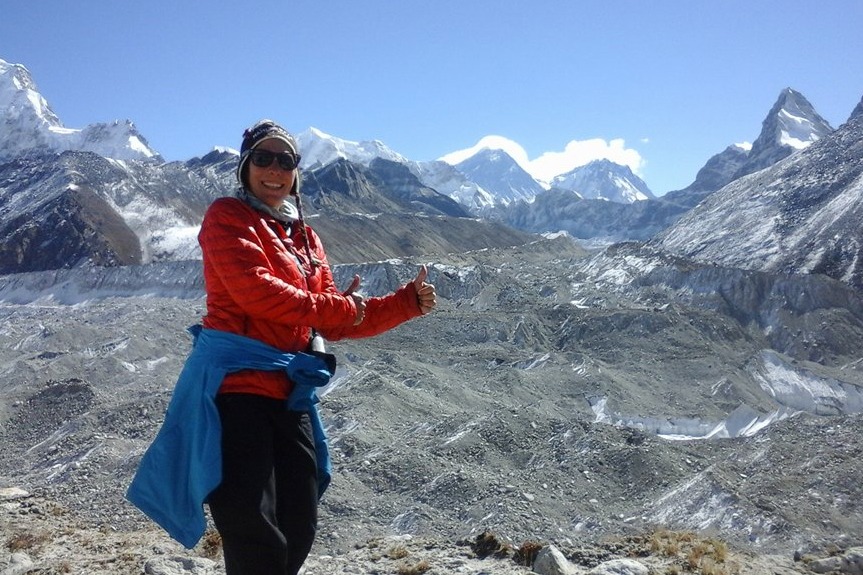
(30, 126)
(488, 143)
(604, 180)
(499, 174)
(19, 96)
(791, 125)
(319, 149)
(797, 123)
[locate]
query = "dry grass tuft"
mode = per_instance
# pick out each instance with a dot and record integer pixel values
(398, 552)
(487, 544)
(693, 554)
(527, 553)
(26, 541)
(211, 546)
(415, 569)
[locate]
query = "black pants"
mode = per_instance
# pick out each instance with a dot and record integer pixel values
(266, 508)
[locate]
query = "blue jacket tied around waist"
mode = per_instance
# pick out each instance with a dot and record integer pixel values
(183, 465)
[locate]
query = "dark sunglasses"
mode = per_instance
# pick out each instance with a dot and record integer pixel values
(264, 159)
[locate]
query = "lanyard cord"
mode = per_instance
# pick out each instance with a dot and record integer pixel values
(313, 261)
(316, 341)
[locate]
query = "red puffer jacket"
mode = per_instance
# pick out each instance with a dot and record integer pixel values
(255, 288)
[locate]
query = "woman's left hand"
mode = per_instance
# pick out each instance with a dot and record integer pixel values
(425, 291)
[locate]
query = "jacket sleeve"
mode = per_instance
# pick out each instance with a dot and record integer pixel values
(382, 313)
(233, 249)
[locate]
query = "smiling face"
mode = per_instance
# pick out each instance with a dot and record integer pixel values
(272, 185)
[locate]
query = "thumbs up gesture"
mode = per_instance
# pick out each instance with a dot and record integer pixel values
(425, 291)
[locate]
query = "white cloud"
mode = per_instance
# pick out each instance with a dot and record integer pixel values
(550, 164)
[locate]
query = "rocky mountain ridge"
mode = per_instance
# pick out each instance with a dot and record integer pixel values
(800, 215)
(30, 126)
(92, 210)
(790, 127)
(78, 208)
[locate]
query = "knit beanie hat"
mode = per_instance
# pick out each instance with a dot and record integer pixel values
(252, 137)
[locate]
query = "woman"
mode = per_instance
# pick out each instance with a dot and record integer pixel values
(267, 278)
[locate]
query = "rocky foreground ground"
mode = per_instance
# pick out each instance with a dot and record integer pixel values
(40, 536)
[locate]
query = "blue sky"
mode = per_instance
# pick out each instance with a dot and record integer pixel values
(660, 85)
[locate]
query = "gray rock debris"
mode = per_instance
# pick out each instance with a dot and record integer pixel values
(180, 566)
(550, 561)
(849, 563)
(19, 563)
